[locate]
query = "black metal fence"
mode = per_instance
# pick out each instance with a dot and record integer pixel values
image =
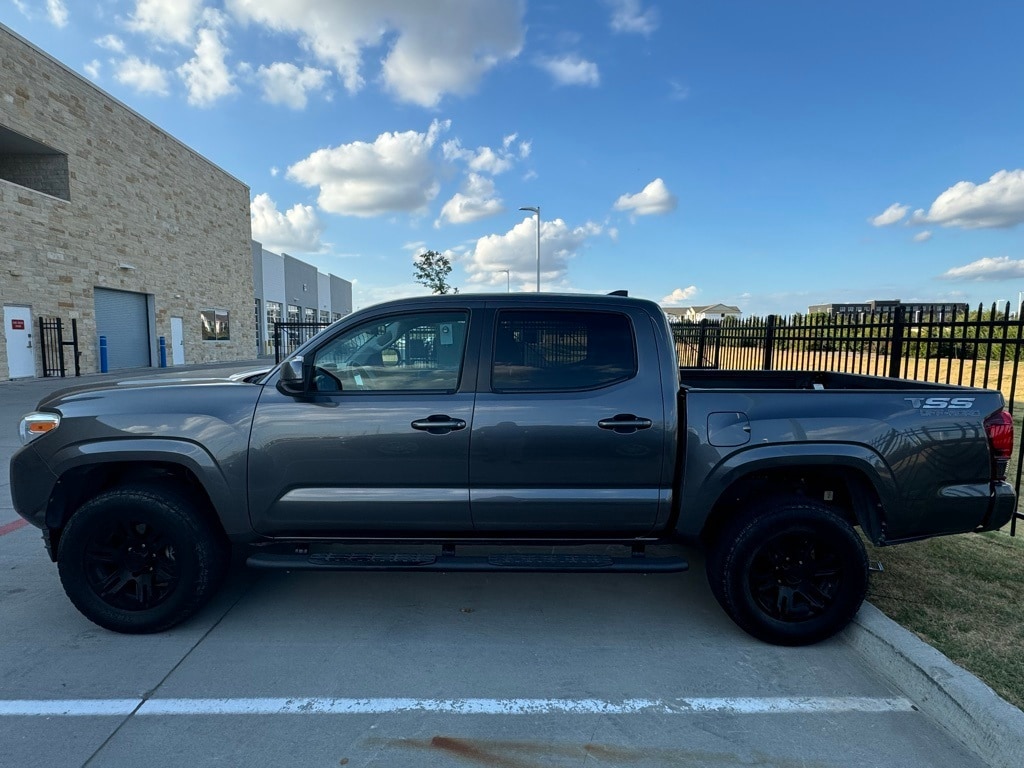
(289, 336)
(983, 348)
(52, 345)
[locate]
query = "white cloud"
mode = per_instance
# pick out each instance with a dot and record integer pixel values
(680, 295)
(628, 16)
(571, 70)
(437, 48)
(890, 215)
(654, 198)
(205, 74)
(998, 202)
(170, 21)
(476, 201)
(923, 237)
(485, 159)
(274, 170)
(92, 69)
(286, 84)
(516, 251)
(143, 76)
(110, 43)
(57, 13)
(394, 173)
(298, 230)
(997, 268)
(366, 296)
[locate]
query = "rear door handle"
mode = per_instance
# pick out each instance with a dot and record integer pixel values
(625, 423)
(438, 424)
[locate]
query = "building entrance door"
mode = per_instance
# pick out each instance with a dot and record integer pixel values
(177, 341)
(21, 360)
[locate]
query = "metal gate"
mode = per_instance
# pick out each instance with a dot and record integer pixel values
(288, 337)
(52, 344)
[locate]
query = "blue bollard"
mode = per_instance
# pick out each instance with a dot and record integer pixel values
(163, 353)
(103, 354)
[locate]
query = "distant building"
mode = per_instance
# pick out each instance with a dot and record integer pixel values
(915, 311)
(293, 291)
(696, 314)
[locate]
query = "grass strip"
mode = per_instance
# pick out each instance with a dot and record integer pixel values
(964, 595)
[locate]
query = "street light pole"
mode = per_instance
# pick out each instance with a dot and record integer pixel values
(508, 281)
(536, 209)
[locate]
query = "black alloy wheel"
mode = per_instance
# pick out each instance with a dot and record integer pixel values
(141, 559)
(790, 571)
(795, 576)
(131, 565)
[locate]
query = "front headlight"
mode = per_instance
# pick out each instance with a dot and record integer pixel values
(37, 424)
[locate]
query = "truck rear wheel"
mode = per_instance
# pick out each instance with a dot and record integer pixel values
(140, 559)
(790, 572)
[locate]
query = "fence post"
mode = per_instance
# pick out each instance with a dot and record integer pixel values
(74, 346)
(60, 347)
(277, 343)
(769, 343)
(701, 340)
(899, 319)
(42, 346)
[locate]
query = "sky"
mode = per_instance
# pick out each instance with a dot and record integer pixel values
(768, 154)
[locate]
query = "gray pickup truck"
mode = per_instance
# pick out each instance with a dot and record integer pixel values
(506, 432)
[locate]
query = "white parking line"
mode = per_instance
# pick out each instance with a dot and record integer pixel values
(377, 706)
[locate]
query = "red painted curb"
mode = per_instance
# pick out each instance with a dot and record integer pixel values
(12, 527)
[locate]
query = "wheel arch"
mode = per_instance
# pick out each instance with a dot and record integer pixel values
(86, 471)
(853, 482)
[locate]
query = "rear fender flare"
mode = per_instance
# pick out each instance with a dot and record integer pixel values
(767, 458)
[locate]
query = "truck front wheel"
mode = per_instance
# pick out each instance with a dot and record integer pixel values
(140, 559)
(790, 572)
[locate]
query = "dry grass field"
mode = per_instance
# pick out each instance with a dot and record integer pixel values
(973, 373)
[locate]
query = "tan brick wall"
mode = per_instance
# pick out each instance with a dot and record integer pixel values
(138, 197)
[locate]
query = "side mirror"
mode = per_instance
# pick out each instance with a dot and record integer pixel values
(291, 380)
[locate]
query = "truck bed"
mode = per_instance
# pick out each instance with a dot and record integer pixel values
(712, 378)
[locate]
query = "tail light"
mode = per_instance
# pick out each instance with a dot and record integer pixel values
(999, 428)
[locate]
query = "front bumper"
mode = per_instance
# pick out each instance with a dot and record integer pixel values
(32, 484)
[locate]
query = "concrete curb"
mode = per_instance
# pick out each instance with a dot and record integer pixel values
(972, 712)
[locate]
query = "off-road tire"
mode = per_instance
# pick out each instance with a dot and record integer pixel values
(141, 559)
(789, 571)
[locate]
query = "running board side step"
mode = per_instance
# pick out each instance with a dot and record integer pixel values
(548, 563)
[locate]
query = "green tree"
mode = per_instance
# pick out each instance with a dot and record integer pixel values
(432, 270)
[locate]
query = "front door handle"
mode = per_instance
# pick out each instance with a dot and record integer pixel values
(625, 423)
(438, 424)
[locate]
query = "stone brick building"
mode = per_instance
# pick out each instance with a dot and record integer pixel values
(107, 220)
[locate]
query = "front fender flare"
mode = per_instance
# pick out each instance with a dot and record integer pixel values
(229, 503)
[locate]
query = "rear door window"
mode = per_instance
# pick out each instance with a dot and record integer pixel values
(551, 351)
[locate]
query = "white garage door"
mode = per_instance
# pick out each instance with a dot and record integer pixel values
(123, 317)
